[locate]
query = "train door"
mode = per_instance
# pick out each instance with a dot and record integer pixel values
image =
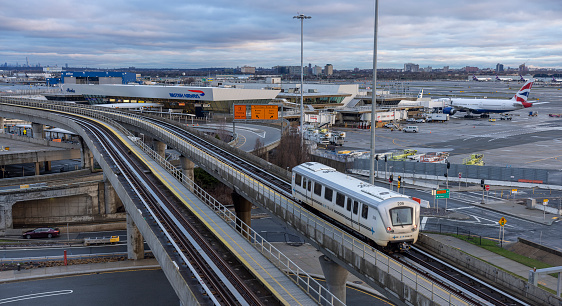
(308, 190)
(353, 213)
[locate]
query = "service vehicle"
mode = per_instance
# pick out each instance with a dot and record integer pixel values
(411, 129)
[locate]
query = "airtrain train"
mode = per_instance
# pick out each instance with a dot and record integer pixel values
(379, 215)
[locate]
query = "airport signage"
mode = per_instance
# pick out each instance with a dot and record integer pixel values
(487, 187)
(265, 112)
(195, 94)
(442, 193)
(545, 202)
(240, 112)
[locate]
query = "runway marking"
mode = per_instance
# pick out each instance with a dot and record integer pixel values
(34, 296)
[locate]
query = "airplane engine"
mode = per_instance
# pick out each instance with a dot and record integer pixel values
(449, 110)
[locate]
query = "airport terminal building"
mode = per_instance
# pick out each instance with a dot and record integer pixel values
(190, 99)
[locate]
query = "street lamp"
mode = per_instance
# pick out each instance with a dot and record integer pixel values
(374, 97)
(302, 17)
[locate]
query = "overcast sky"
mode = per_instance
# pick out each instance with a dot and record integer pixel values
(221, 33)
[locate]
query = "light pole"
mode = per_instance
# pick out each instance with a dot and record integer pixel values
(302, 17)
(374, 97)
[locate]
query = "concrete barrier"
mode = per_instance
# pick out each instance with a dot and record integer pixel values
(500, 278)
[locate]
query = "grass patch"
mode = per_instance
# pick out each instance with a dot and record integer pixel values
(493, 247)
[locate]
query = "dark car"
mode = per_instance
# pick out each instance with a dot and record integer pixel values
(43, 232)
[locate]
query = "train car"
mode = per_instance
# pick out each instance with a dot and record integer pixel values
(379, 215)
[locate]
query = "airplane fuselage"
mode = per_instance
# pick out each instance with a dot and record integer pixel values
(482, 106)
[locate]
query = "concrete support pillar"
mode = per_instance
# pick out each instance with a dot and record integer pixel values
(243, 209)
(335, 276)
(38, 130)
(135, 241)
(37, 168)
(187, 167)
(48, 166)
(110, 197)
(87, 160)
(160, 148)
(6, 217)
(1, 125)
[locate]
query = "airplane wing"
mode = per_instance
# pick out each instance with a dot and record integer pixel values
(537, 103)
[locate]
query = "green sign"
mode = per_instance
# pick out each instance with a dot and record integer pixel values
(442, 193)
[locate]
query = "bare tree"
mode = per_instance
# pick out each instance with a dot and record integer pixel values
(291, 152)
(223, 134)
(259, 150)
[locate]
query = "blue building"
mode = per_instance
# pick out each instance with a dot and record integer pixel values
(93, 77)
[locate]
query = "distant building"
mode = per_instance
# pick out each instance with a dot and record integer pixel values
(411, 67)
(523, 68)
(93, 77)
(471, 69)
(499, 68)
(248, 70)
(329, 69)
(316, 70)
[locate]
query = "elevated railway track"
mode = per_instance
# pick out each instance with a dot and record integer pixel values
(277, 182)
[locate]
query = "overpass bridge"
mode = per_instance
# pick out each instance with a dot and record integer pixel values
(239, 171)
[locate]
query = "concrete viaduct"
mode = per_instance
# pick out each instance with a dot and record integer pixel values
(342, 252)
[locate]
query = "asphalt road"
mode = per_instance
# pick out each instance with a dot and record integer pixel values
(138, 287)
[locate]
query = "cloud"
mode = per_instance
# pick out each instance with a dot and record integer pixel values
(219, 33)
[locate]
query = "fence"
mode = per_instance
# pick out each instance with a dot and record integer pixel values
(510, 174)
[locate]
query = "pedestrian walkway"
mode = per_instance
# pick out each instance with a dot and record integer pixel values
(58, 271)
(494, 259)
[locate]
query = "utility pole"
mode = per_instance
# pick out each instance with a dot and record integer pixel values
(374, 97)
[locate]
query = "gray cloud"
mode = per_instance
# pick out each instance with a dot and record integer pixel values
(224, 33)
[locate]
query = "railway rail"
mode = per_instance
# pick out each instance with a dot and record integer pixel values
(220, 282)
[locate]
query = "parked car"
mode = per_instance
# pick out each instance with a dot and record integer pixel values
(391, 126)
(411, 120)
(420, 121)
(42, 232)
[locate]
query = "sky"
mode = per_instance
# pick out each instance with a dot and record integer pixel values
(221, 33)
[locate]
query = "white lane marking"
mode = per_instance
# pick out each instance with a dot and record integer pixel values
(459, 208)
(34, 296)
(473, 216)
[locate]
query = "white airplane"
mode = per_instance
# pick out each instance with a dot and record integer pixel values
(475, 78)
(484, 106)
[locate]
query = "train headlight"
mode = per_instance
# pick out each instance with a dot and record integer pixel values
(414, 228)
(389, 229)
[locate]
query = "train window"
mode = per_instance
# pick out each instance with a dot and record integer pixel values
(317, 189)
(364, 211)
(348, 204)
(328, 194)
(298, 179)
(355, 207)
(308, 185)
(401, 216)
(340, 199)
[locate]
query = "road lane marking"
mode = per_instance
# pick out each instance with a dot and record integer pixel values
(34, 296)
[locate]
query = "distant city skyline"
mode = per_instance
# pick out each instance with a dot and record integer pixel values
(218, 33)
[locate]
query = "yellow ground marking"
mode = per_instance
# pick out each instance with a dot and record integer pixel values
(180, 195)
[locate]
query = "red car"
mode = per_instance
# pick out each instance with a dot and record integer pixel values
(43, 232)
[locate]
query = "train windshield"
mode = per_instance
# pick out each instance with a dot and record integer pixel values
(401, 216)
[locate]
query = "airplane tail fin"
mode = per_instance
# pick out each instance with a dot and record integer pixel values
(474, 78)
(523, 94)
(420, 95)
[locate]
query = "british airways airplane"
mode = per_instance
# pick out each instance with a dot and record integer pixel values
(487, 106)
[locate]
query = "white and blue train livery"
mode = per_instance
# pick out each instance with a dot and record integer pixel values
(380, 215)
